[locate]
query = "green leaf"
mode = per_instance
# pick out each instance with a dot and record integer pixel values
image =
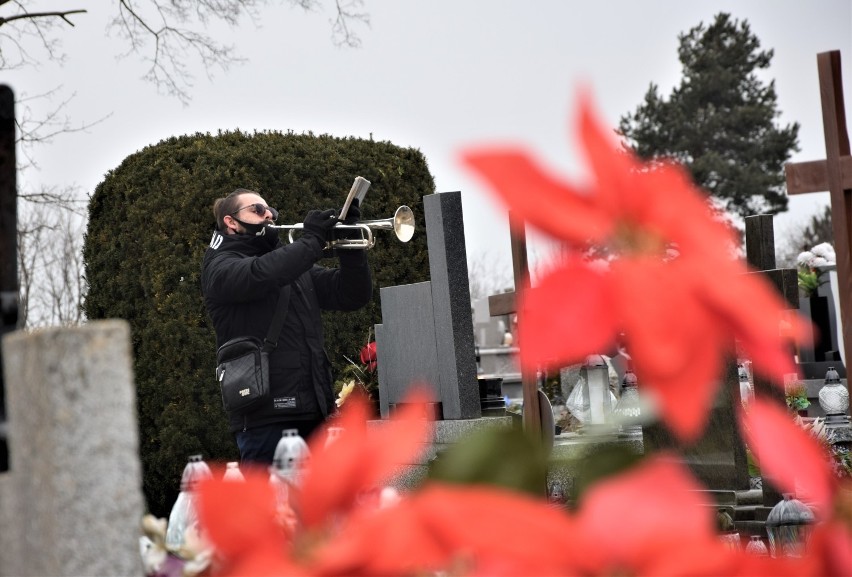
(503, 457)
(601, 462)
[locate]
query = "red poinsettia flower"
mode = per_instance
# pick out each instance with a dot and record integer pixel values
(679, 316)
(239, 519)
(796, 463)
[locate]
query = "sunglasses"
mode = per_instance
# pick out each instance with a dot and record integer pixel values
(259, 210)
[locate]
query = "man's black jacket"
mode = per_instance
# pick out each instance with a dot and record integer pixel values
(241, 279)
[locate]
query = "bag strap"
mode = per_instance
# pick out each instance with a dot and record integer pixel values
(271, 340)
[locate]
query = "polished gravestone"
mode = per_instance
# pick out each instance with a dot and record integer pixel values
(426, 334)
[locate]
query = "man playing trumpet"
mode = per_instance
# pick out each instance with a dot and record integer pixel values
(242, 276)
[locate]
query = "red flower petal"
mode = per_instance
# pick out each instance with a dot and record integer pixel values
(360, 460)
(566, 317)
(392, 541)
(461, 527)
(673, 341)
(239, 519)
(474, 519)
(657, 508)
(712, 558)
(788, 455)
(538, 197)
(752, 309)
(830, 545)
(614, 168)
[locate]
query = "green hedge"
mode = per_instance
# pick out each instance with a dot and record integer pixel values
(150, 221)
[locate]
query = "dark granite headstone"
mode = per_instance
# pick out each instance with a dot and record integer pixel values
(426, 335)
(718, 458)
(760, 253)
(822, 312)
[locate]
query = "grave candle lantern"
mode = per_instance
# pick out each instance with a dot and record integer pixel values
(629, 410)
(834, 399)
(183, 515)
(788, 527)
(746, 389)
(597, 380)
(756, 546)
(291, 456)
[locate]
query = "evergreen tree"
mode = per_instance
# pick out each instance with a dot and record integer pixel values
(818, 230)
(720, 121)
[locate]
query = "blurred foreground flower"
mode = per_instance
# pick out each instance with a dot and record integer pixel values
(679, 316)
(650, 520)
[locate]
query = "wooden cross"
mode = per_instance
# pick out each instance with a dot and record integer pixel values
(505, 304)
(835, 175)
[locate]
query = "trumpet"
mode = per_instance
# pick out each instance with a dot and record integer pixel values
(401, 223)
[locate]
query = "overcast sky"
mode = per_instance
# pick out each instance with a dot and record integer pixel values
(437, 75)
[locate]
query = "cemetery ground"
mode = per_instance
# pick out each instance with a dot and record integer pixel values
(672, 368)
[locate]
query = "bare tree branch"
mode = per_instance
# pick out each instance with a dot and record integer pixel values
(341, 33)
(33, 15)
(50, 266)
(33, 129)
(487, 277)
(166, 34)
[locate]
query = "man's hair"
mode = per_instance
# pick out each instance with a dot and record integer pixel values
(228, 205)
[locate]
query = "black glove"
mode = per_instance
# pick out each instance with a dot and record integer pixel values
(319, 223)
(354, 213)
(352, 217)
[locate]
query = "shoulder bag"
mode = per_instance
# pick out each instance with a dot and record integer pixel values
(242, 364)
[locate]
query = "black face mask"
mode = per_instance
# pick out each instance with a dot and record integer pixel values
(260, 234)
(258, 229)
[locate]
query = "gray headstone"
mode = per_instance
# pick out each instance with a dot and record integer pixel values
(439, 349)
(405, 342)
(71, 503)
(488, 331)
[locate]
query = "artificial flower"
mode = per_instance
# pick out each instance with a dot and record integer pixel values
(679, 316)
(368, 356)
(345, 391)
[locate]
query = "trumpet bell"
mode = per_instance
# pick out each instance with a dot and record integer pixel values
(403, 223)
